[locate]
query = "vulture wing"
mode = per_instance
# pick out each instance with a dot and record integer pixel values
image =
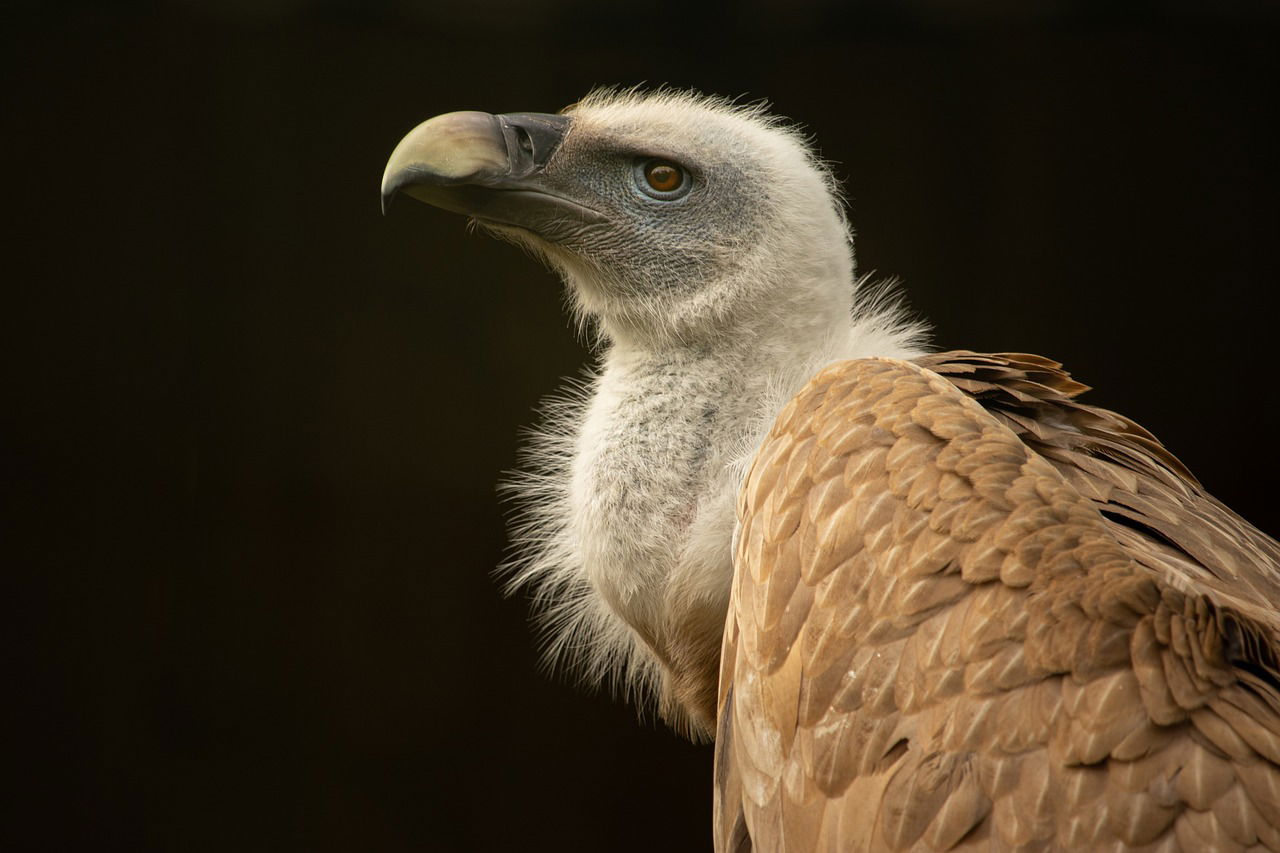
(971, 612)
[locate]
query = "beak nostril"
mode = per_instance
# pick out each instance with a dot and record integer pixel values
(523, 138)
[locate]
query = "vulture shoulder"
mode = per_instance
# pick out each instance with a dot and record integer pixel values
(969, 612)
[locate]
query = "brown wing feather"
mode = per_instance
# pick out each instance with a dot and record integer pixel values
(1154, 504)
(937, 640)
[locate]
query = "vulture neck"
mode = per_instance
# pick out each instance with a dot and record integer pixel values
(660, 456)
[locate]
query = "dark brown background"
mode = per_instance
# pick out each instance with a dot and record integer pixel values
(252, 428)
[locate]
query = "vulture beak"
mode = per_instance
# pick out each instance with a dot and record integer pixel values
(487, 166)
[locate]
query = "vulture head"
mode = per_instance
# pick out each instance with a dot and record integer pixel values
(706, 245)
(672, 217)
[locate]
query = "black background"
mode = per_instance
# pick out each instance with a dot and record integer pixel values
(252, 428)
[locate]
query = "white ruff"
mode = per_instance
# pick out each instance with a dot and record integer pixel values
(555, 540)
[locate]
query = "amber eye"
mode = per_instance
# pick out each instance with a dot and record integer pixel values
(663, 177)
(662, 180)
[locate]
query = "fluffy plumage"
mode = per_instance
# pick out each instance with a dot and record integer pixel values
(948, 607)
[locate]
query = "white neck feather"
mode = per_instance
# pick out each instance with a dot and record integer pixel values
(628, 499)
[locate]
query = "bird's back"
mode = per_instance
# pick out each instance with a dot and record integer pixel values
(971, 612)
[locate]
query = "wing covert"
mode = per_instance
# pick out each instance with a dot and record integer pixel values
(937, 641)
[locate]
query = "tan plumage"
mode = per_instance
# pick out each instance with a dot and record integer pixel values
(970, 612)
(955, 608)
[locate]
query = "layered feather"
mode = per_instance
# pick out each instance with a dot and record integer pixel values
(981, 651)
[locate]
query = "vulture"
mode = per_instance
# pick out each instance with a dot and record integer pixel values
(920, 600)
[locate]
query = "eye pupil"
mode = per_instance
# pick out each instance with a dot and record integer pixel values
(663, 177)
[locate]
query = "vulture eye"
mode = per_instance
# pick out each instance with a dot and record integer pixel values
(662, 180)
